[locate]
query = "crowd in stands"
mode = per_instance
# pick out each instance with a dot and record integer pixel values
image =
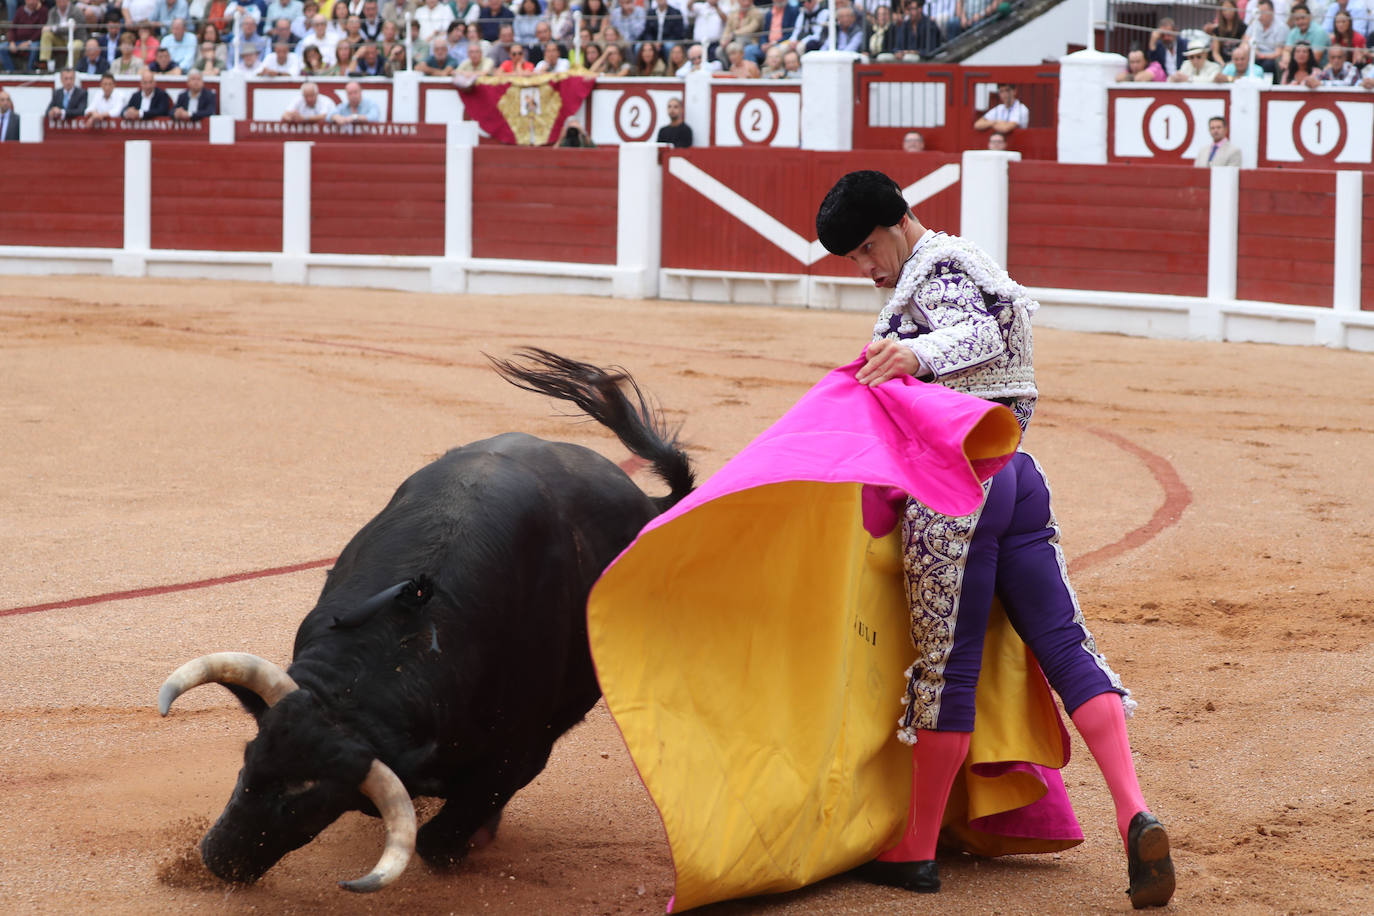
(1283, 42)
(376, 38)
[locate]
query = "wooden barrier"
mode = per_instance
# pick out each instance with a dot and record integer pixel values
(1287, 236)
(377, 198)
(1367, 245)
(1133, 228)
(75, 199)
(216, 198)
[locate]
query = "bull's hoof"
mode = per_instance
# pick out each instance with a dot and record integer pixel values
(1150, 868)
(443, 850)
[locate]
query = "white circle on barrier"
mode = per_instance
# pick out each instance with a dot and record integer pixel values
(1319, 131)
(757, 120)
(635, 118)
(1168, 127)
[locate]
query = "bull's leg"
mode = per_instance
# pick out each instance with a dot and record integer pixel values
(469, 818)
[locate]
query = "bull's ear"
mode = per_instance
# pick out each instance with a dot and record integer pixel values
(251, 702)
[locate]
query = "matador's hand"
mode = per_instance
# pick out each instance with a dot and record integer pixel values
(885, 360)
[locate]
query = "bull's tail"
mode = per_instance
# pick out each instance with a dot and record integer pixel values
(613, 399)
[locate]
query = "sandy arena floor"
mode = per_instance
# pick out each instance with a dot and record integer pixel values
(164, 433)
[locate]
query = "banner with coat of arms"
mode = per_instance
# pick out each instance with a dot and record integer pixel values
(525, 109)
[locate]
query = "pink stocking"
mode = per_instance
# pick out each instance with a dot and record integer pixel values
(935, 762)
(1102, 723)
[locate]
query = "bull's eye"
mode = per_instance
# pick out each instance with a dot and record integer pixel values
(299, 788)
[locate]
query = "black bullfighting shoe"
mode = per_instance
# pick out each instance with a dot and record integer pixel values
(923, 877)
(1150, 868)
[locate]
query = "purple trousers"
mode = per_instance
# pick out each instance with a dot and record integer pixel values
(954, 566)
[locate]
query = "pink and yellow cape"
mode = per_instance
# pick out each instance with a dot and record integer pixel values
(751, 642)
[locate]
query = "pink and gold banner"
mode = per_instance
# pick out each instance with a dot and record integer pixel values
(525, 109)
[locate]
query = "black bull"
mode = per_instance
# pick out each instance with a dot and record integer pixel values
(456, 682)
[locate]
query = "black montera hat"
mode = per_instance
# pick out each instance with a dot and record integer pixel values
(857, 204)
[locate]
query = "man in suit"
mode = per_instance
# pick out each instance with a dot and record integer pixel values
(1221, 151)
(149, 102)
(778, 25)
(93, 62)
(9, 120)
(664, 25)
(1164, 48)
(68, 101)
(195, 101)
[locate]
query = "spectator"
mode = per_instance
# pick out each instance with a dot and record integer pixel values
(145, 48)
(1220, 151)
(127, 64)
(776, 29)
(439, 62)
(166, 11)
(553, 60)
(343, 60)
(356, 109)
(1164, 48)
(338, 19)
(743, 25)
(149, 101)
(353, 32)
(649, 61)
(791, 65)
(1138, 70)
(772, 68)
(664, 24)
(629, 19)
(195, 103)
(914, 36)
(973, 12)
(676, 130)
(677, 57)
(696, 61)
(392, 49)
(1339, 71)
(1267, 35)
(301, 25)
(25, 37)
(181, 45)
(370, 62)
(1240, 66)
(319, 37)
(137, 12)
(310, 107)
(542, 36)
(1008, 114)
(1367, 77)
(612, 62)
(476, 63)
(419, 48)
(105, 103)
(913, 142)
(290, 10)
(109, 40)
(214, 13)
(881, 35)
(850, 32)
(527, 15)
(560, 19)
(281, 32)
(93, 62)
(494, 15)
(813, 17)
(594, 15)
(1357, 9)
(945, 15)
(9, 119)
(370, 21)
(1226, 30)
(247, 37)
(395, 10)
(163, 63)
(53, 38)
(68, 100)
(312, 61)
(708, 24)
(515, 61)
(248, 64)
(573, 135)
(1198, 68)
(1303, 29)
(997, 142)
(1344, 34)
(209, 34)
(1281, 13)
(282, 62)
(1301, 65)
(740, 67)
(209, 62)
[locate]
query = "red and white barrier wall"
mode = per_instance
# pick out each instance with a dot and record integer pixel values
(1276, 255)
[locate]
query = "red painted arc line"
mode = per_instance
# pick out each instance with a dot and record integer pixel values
(630, 466)
(1177, 497)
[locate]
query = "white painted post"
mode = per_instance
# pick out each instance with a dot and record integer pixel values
(1349, 242)
(1083, 80)
(1223, 240)
(1244, 126)
(638, 252)
(233, 95)
(295, 213)
(450, 276)
(405, 97)
(31, 127)
(221, 130)
(696, 106)
(827, 104)
(138, 195)
(983, 199)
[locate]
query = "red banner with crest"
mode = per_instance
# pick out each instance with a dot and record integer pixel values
(525, 109)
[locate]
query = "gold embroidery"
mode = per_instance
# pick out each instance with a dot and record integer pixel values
(530, 105)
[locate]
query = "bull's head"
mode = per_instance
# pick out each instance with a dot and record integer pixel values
(299, 774)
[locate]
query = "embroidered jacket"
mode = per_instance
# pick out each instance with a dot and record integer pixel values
(967, 321)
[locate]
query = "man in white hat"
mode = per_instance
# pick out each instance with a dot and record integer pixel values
(1197, 68)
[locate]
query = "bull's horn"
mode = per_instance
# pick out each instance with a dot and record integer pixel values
(259, 675)
(389, 794)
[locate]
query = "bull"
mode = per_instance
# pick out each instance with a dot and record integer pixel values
(447, 651)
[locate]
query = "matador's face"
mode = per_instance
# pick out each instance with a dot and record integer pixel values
(881, 255)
